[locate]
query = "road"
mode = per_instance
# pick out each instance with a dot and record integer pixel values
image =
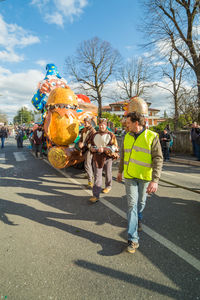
(56, 245)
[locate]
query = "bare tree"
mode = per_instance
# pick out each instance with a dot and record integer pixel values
(92, 66)
(188, 105)
(175, 77)
(176, 22)
(133, 78)
(3, 118)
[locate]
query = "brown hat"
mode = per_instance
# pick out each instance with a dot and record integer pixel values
(87, 119)
(103, 120)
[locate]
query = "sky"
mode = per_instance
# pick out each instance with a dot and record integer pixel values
(36, 32)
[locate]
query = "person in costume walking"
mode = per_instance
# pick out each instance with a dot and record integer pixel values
(104, 148)
(84, 145)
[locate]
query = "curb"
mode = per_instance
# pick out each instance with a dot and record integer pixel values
(185, 161)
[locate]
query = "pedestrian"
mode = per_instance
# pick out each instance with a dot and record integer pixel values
(141, 161)
(165, 139)
(84, 144)
(104, 148)
(19, 137)
(31, 139)
(38, 138)
(3, 135)
(196, 138)
(193, 134)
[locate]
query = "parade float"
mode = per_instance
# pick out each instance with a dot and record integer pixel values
(63, 113)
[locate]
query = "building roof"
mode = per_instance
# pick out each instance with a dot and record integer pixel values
(106, 107)
(153, 109)
(124, 102)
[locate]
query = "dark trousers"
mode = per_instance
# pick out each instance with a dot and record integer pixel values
(38, 148)
(20, 142)
(165, 153)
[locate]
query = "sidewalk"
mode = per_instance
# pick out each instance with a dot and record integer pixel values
(176, 158)
(184, 159)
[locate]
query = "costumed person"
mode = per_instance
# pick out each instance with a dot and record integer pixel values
(3, 135)
(141, 161)
(165, 139)
(38, 138)
(84, 144)
(104, 148)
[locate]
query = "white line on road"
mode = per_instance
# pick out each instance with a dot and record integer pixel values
(195, 263)
(2, 158)
(19, 156)
(177, 173)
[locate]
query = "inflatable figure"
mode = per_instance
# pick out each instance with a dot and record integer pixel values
(63, 117)
(50, 82)
(138, 105)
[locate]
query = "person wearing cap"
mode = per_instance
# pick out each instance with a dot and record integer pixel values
(84, 145)
(104, 148)
(141, 161)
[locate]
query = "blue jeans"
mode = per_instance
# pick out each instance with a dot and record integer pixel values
(136, 200)
(2, 142)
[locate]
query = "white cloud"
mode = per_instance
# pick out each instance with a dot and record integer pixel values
(12, 37)
(10, 56)
(57, 11)
(17, 90)
(56, 18)
(41, 63)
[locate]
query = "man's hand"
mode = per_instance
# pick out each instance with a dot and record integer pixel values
(93, 149)
(119, 177)
(80, 144)
(100, 149)
(152, 187)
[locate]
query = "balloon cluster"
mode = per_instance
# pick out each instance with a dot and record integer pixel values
(51, 81)
(63, 114)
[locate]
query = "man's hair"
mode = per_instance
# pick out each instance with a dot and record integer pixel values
(87, 119)
(103, 120)
(135, 116)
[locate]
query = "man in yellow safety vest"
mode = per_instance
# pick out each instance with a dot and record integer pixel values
(141, 160)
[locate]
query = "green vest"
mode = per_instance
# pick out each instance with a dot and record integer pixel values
(137, 155)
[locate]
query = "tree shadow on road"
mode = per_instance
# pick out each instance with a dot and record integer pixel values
(164, 215)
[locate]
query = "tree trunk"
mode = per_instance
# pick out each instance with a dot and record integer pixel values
(99, 106)
(198, 97)
(176, 114)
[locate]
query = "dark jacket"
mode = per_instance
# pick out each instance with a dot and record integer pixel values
(3, 133)
(165, 140)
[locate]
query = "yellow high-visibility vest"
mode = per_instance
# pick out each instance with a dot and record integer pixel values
(137, 155)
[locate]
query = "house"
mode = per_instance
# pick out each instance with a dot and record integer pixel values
(117, 108)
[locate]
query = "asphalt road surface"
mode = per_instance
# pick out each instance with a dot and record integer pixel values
(54, 244)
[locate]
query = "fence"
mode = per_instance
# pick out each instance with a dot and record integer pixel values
(181, 142)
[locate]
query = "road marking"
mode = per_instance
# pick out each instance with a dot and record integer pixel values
(2, 158)
(191, 260)
(168, 173)
(19, 156)
(177, 173)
